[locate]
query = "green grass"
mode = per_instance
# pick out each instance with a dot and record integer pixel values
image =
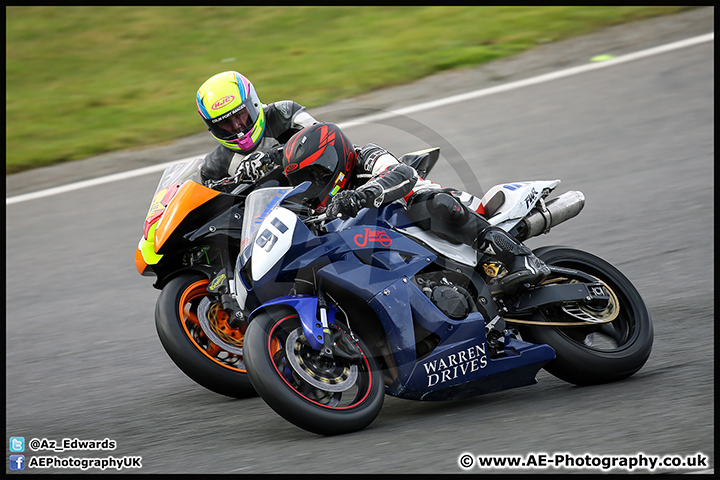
(81, 81)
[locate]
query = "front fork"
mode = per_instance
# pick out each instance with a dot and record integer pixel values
(318, 321)
(309, 312)
(222, 286)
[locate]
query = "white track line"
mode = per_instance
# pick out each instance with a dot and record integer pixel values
(402, 111)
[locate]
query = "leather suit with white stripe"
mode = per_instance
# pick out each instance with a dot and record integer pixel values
(441, 210)
(452, 214)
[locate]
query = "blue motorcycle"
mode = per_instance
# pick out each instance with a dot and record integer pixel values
(343, 312)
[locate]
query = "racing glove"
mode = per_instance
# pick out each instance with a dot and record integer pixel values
(348, 203)
(252, 167)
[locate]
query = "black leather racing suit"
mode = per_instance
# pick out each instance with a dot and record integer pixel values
(282, 121)
(450, 213)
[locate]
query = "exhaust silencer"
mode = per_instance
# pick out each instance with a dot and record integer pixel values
(557, 210)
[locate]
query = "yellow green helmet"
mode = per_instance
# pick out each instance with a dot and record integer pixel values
(231, 109)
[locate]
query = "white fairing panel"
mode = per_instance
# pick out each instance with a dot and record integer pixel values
(272, 241)
(461, 253)
(520, 198)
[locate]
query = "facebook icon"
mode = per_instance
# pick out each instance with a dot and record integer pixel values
(17, 462)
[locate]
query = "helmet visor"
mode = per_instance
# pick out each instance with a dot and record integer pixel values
(235, 123)
(321, 173)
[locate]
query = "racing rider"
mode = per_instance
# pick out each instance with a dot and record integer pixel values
(248, 130)
(346, 178)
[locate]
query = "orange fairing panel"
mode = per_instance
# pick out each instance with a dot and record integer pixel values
(190, 196)
(140, 264)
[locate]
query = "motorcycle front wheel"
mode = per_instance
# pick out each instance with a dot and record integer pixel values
(614, 348)
(323, 395)
(193, 342)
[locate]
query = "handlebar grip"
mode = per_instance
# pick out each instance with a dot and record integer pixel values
(275, 155)
(320, 218)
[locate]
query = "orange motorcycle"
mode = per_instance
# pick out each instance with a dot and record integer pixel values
(190, 242)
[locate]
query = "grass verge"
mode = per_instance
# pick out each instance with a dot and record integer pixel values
(81, 81)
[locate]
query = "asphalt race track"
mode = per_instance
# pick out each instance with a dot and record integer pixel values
(83, 360)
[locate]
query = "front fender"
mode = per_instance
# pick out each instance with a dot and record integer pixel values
(306, 307)
(164, 279)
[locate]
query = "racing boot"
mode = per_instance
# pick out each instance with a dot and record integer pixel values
(522, 265)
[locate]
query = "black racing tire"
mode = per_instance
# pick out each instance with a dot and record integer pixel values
(289, 395)
(183, 340)
(599, 353)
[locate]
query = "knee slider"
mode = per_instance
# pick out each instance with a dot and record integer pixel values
(448, 208)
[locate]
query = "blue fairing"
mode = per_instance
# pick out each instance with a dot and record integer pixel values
(366, 257)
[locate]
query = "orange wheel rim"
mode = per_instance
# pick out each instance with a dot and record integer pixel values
(192, 292)
(274, 346)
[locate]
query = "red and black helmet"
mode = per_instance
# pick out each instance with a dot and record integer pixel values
(324, 155)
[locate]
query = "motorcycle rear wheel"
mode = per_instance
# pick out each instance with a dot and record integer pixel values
(321, 395)
(188, 346)
(602, 353)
